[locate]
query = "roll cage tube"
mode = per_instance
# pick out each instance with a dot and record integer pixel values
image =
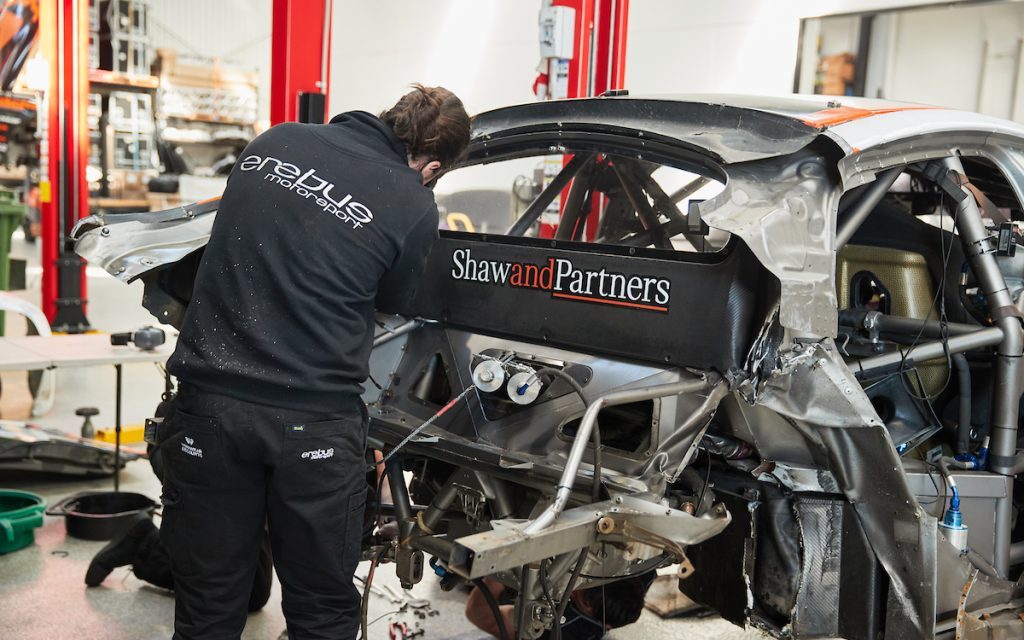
(577, 204)
(648, 216)
(639, 187)
(547, 196)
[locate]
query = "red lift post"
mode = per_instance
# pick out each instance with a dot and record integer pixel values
(299, 76)
(611, 26)
(300, 60)
(598, 65)
(607, 72)
(64, 154)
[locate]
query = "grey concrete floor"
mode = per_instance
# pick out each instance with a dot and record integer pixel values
(42, 593)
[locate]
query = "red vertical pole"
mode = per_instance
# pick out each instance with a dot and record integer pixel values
(598, 65)
(78, 77)
(611, 23)
(49, 154)
(610, 45)
(64, 192)
(579, 72)
(300, 55)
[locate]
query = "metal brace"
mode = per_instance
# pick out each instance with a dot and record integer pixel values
(472, 502)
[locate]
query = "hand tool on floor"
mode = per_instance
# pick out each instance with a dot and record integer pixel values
(398, 630)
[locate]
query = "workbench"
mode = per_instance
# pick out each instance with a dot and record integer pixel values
(31, 353)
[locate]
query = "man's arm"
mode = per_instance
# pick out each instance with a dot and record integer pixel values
(398, 286)
(479, 612)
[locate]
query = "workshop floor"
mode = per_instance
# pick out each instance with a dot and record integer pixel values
(42, 593)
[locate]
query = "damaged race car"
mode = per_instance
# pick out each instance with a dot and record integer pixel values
(776, 342)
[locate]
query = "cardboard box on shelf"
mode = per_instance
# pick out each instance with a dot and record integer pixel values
(201, 72)
(205, 90)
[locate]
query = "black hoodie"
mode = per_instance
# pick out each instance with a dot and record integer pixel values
(318, 225)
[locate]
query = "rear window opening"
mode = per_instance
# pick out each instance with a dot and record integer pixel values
(598, 197)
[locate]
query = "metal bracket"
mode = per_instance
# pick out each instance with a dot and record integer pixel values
(507, 546)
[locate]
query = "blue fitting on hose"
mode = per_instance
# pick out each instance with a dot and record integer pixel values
(953, 516)
(952, 525)
(968, 460)
(439, 569)
(983, 454)
(974, 460)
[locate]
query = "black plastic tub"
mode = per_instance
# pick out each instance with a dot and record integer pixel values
(101, 515)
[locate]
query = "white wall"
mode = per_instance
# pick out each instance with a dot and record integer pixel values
(731, 46)
(483, 50)
(961, 57)
(238, 31)
(486, 50)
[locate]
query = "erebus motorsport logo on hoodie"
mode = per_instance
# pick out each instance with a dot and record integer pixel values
(566, 281)
(310, 186)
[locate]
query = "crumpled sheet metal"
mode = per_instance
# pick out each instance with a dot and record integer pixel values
(127, 250)
(819, 394)
(784, 209)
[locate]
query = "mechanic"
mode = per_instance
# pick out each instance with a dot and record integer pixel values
(318, 226)
(589, 614)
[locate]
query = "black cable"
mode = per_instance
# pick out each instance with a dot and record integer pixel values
(931, 467)
(545, 584)
(366, 593)
(604, 609)
(495, 609)
(940, 298)
(595, 433)
(707, 478)
(556, 626)
(931, 409)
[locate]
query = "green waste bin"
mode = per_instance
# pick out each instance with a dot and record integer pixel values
(12, 213)
(21, 513)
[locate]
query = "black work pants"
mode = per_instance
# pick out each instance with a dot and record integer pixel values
(152, 563)
(232, 465)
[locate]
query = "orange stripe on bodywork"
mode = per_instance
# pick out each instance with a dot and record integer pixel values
(840, 115)
(617, 303)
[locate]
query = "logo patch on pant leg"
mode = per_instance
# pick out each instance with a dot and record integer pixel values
(318, 454)
(188, 448)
